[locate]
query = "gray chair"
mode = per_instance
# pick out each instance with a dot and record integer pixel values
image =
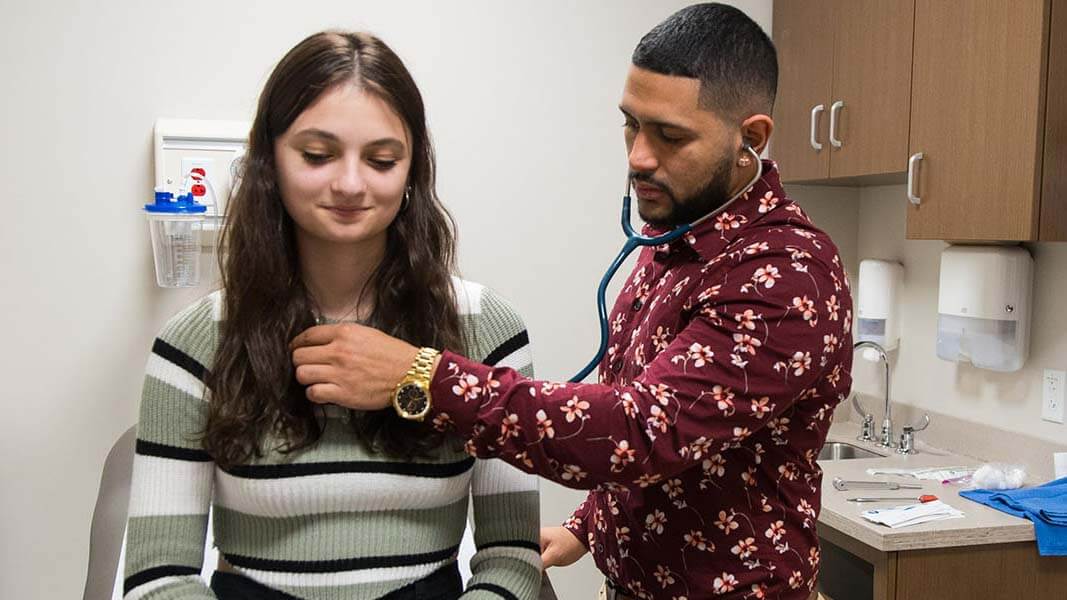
(109, 519)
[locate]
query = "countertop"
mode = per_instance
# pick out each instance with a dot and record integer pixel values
(981, 524)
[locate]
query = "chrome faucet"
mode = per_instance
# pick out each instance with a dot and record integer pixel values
(886, 437)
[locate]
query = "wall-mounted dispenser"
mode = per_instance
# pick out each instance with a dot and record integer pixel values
(197, 168)
(984, 306)
(877, 311)
(203, 157)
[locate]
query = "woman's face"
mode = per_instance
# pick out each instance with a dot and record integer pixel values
(343, 166)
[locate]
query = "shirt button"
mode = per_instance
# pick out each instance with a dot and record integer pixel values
(637, 304)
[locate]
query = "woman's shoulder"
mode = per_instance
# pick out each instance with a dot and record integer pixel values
(495, 333)
(194, 329)
(476, 300)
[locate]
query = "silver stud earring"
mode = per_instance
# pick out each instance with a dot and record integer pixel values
(744, 161)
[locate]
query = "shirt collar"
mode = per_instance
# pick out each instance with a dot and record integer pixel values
(709, 238)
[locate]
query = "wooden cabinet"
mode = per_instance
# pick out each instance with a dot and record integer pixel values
(965, 100)
(805, 46)
(978, 118)
(851, 570)
(844, 87)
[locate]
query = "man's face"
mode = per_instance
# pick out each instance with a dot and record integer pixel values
(682, 156)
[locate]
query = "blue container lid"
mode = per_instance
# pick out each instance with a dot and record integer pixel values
(165, 203)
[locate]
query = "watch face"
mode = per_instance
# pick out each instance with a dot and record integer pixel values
(412, 399)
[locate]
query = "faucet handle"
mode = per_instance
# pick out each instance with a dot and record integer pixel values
(907, 436)
(867, 429)
(859, 408)
(925, 423)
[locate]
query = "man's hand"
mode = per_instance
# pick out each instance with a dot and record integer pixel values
(351, 365)
(559, 547)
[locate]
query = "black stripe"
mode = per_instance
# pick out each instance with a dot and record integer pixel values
(527, 544)
(340, 564)
(147, 448)
(496, 589)
(436, 471)
(183, 360)
(504, 350)
(156, 573)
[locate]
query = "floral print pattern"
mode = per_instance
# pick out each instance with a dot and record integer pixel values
(729, 350)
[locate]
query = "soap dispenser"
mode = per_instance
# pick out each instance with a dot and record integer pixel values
(984, 306)
(876, 319)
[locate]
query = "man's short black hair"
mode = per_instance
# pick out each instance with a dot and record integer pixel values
(721, 46)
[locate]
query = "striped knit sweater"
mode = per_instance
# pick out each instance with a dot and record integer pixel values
(332, 521)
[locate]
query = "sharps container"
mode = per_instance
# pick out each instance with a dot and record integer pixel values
(175, 226)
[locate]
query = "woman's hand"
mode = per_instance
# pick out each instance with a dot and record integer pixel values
(350, 365)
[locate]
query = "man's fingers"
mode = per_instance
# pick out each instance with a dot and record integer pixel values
(315, 373)
(312, 355)
(319, 335)
(325, 393)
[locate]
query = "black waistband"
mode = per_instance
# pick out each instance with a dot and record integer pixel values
(443, 584)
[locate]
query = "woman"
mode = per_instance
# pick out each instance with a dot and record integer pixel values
(336, 220)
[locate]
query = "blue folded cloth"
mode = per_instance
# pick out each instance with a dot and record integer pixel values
(1045, 506)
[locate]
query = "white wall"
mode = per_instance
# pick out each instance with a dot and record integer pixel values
(1010, 401)
(521, 98)
(871, 223)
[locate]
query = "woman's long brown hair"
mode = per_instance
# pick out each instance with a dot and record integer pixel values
(256, 404)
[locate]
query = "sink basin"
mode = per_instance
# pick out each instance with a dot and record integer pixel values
(842, 451)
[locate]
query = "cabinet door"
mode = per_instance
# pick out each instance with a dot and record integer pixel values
(872, 78)
(804, 36)
(977, 118)
(1054, 192)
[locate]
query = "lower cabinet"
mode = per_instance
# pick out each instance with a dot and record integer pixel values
(852, 570)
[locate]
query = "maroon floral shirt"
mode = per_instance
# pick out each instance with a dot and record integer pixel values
(729, 350)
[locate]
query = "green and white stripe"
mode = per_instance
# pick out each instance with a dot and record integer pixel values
(332, 521)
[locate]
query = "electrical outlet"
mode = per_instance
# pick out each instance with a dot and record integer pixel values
(1054, 384)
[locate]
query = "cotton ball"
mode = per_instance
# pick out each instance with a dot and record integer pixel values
(997, 476)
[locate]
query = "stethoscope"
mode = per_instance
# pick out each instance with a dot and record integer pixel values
(633, 240)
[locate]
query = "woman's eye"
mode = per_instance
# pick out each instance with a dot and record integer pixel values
(315, 158)
(382, 164)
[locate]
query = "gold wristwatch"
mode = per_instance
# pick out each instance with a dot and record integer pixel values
(412, 399)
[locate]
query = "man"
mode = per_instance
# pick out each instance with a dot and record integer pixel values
(729, 350)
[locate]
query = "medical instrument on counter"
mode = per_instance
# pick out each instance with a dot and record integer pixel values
(845, 485)
(931, 473)
(923, 499)
(633, 240)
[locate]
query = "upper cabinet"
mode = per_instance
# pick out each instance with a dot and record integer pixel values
(844, 87)
(977, 119)
(966, 101)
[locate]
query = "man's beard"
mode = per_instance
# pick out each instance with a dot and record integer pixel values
(682, 212)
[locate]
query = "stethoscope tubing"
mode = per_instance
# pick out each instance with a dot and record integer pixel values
(634, 241)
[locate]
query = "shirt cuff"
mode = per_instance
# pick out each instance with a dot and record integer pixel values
(578, 523)
(454, 390)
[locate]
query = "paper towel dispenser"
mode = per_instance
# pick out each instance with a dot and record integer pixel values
(984, 306)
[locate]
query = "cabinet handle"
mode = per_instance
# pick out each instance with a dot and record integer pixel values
(815, 126)
(913, 164)
(834, 110)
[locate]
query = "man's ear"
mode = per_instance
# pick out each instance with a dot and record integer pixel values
(756, 131)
